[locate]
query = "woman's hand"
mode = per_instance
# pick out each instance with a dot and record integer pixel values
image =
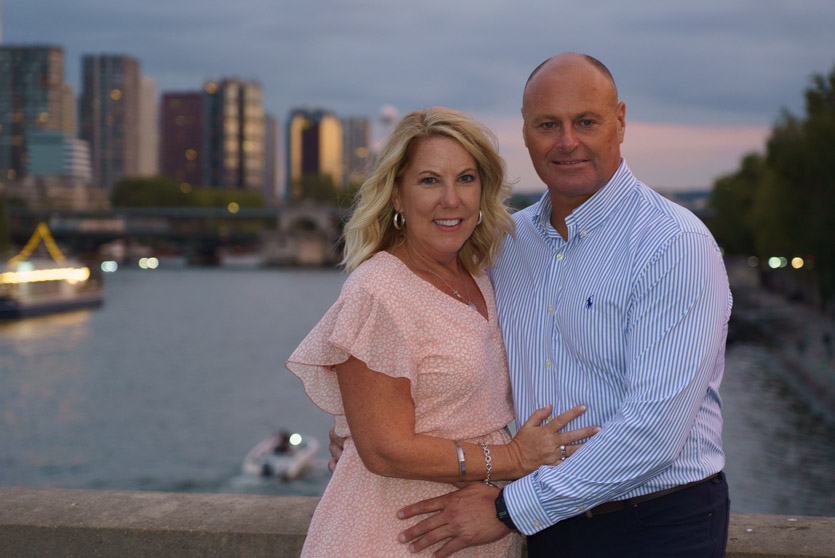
(336, 446)
(535, 445)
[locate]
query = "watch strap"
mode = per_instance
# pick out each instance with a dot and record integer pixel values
(502, 514)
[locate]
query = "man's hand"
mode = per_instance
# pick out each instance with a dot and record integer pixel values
(466, 517)
(335, 447)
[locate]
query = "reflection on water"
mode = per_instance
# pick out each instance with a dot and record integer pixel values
(170, 384)
(779, 452)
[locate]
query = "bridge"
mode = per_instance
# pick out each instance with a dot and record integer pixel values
(109, 524)
(305, 234)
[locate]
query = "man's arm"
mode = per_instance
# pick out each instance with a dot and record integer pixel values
(676, 336)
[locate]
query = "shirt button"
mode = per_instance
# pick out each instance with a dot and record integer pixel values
(560, 256)
(580, 507)
(584, 233)
(547, 364)
(550, 309)
(536, 524)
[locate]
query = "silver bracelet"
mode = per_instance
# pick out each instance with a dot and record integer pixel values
(488, 464)
(462, 465)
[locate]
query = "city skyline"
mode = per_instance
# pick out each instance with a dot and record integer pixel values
(703, 84)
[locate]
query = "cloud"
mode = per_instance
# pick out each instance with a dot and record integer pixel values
(726, 62)
(701, 79)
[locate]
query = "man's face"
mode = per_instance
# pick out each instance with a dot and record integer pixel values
(573, 128)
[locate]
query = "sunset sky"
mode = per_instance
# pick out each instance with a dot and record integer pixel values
(703, 82)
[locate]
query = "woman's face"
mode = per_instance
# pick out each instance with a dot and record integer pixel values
(439, 194)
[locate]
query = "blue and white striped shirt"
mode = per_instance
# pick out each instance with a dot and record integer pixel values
(629, 317)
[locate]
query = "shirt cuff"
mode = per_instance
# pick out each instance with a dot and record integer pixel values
(524, 507)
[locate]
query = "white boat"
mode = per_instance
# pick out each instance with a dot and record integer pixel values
(32, 286)
(281, 455)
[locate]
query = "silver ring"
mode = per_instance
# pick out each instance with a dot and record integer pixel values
(562, 453)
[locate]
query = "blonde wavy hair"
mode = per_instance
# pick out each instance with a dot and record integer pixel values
(370, 229)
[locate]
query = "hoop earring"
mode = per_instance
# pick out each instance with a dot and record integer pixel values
(398, 221)
(480, 218)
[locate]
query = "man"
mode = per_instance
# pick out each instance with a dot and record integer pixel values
(611, 296)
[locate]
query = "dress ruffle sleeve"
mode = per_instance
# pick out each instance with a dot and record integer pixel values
(366, 323)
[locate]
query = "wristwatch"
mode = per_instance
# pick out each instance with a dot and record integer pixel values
(501, 512)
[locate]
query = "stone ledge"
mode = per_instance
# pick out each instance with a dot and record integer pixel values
(58, 523)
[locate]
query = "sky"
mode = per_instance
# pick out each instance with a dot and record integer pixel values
(703, 82)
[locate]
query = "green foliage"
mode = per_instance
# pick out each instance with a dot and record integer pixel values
(345, 196)
(5, 234)
(219, 197)
(158, 191)
(314, 187)
(732, 201)
(784, 203)
(161, 191)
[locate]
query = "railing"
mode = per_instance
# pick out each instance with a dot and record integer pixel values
(61, 523)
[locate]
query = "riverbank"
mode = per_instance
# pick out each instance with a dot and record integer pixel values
(799, 336)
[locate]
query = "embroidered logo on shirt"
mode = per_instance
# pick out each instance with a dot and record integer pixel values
(588, 303)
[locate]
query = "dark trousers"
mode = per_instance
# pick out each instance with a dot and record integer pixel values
(690, 523)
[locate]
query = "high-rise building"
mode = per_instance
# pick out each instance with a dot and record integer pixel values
(356, 149)
(109, 114)
(271, 154)
(56, 154)
(181, 133)
(69, 111)
(314, 146)
(148, 156)
(31, 92)
(233, 135)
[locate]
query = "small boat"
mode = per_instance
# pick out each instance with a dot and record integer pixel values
(281, 455)
(34, 286)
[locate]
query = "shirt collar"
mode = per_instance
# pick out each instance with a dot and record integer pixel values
(596, 209)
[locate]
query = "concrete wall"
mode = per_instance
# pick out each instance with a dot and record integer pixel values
(56, 523)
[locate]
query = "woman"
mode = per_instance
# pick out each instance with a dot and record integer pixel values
(409, 359)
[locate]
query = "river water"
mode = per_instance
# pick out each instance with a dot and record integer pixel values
(181, 372)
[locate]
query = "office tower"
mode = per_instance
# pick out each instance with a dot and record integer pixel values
(314, 146)
(148, 156)
(233, 135)
(109, 114)
(181, 133)
(58, 155)
(69, 111)
(271, 154)
(31, 85)
(356, 149)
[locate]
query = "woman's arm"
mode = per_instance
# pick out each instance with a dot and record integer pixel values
(381, 415)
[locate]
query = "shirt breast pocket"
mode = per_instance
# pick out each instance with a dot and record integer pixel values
(593, 328)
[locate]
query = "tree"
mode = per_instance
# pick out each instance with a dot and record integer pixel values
(158, 191)
(732, 201)
(786, 199)
(221, 197)
(314, 187)
(161, 191)
(345, 196)
(5, 234)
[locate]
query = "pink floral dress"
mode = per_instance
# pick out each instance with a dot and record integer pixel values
(401, 325)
